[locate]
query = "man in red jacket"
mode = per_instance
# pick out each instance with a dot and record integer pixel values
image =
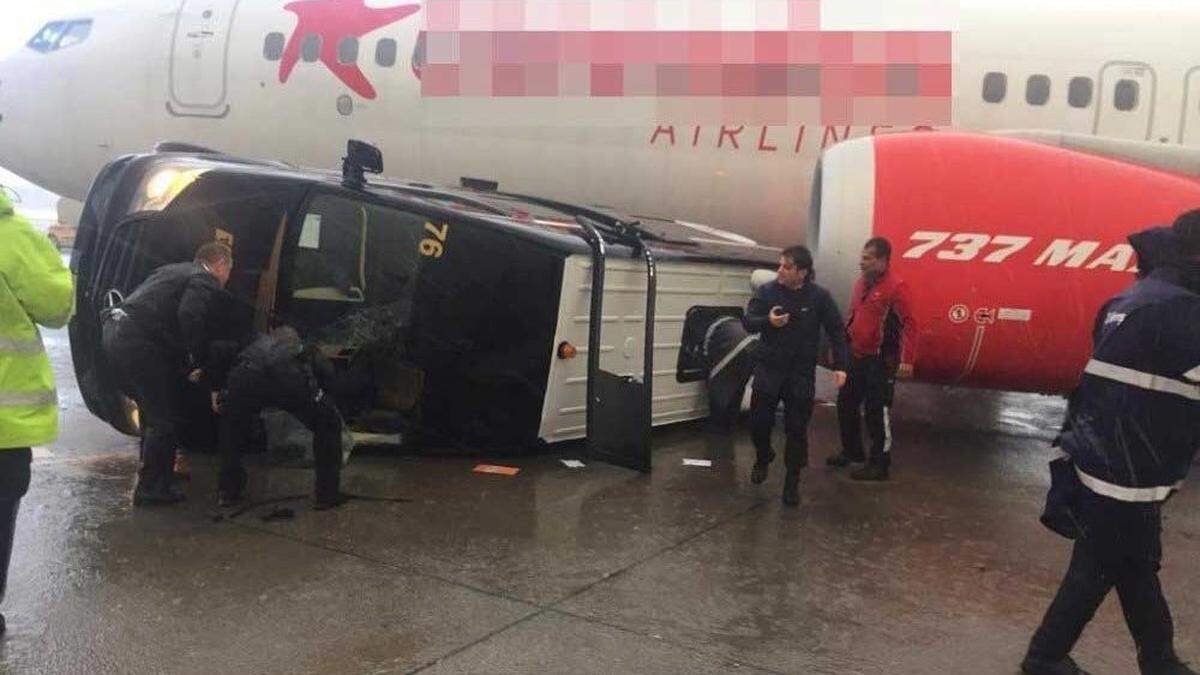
(883, 336)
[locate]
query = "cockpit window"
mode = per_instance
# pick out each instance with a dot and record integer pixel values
(60, 34)
(76, 32)
(46, 39)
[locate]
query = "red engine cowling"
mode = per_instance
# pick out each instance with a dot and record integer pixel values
(1010, 246)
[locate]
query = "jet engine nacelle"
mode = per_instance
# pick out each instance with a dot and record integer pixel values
(1010, 246)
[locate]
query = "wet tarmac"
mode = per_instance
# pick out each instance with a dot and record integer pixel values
(689, 570)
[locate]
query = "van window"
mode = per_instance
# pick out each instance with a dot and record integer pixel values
(356, 252)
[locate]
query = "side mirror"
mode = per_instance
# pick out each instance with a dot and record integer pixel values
(361, 158)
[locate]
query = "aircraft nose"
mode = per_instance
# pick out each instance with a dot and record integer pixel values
(8, 151)
(32, 126)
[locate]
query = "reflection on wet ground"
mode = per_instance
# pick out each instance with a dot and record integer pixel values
(599, 569)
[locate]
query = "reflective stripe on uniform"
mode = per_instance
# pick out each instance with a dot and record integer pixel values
(1126, 494)
(887, 430)
(1141, 380)
(1193, 374)
(21, 399)
(21, 346)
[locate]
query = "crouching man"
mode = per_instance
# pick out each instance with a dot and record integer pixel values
(273, 372)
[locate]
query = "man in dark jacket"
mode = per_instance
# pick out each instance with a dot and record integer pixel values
(1131, 434)
(275, 371)
(790, 313)
(153, 340)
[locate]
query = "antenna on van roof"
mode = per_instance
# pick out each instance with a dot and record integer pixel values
(361, 158)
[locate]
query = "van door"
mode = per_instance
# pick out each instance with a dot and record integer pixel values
(199, 58)
(1189, 127)
(1126, 105)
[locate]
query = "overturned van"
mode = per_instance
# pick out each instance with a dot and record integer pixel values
(462, 313)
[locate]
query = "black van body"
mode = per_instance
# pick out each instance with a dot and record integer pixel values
(437, 304)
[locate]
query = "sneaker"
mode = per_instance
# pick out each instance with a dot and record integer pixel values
(759, 473)
(840, 460)
(1036, 666)
(870, 472)
(171, 495)
(791, 491)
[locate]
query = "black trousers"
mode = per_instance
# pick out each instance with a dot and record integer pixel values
(1120, 547)
(289, 386)
(151, 377)
(869, 388)
(796, 392)
(14, 483)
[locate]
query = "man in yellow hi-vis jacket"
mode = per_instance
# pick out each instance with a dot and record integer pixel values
(35, 288)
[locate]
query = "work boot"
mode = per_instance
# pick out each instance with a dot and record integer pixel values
(870, 472)
(183, 466)
(791, 490)
(1035, 666)
(163, 497)
(759, 473)
(326, 503)
(840, 460)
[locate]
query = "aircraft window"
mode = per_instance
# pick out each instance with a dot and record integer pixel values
(348, 50)
(1079, 94)
(1125, 96)
(995, 86)
(1037, 90)
(273, 46)
(46, 39)
(385, 53)
(310, 50)
(76, 32)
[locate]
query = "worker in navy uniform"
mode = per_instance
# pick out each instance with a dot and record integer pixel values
(277, 371)
(155, 341)
(1131, 434)
(790, 313)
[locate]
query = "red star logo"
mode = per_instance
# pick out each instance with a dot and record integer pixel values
(334, 21)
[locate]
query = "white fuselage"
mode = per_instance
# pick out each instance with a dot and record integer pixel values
(145, 76)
